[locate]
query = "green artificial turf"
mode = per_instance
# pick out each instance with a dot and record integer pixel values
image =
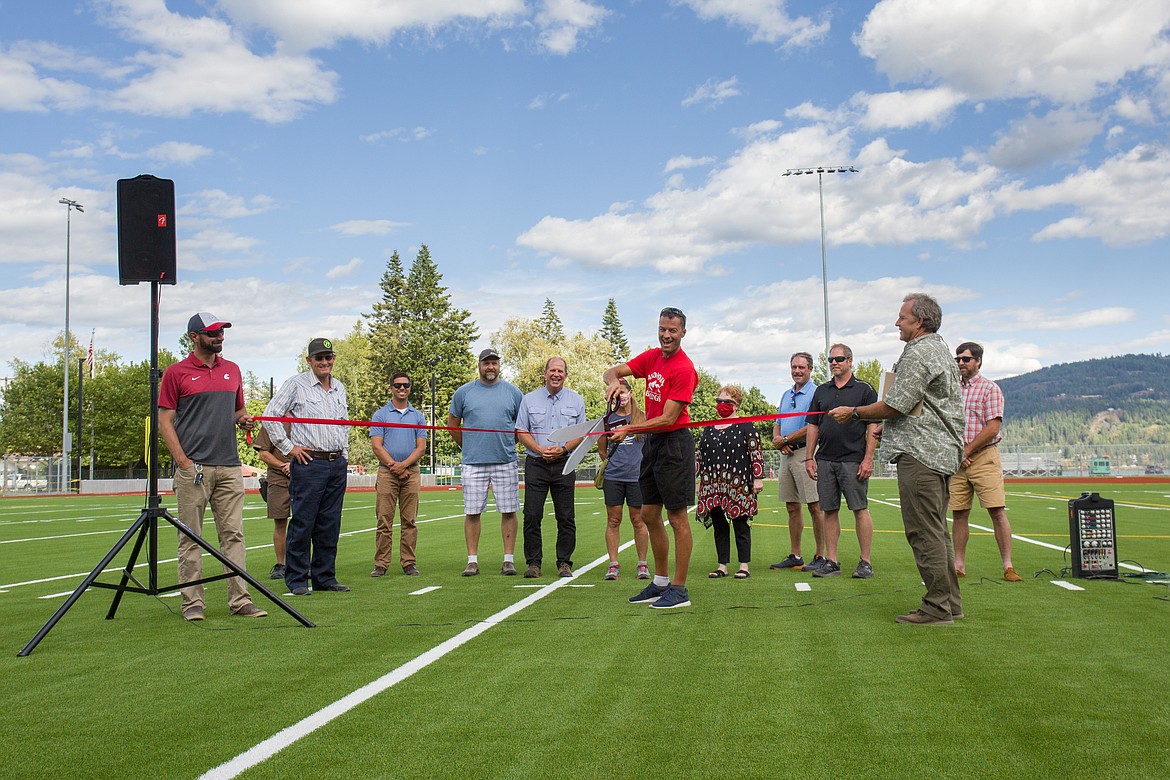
(755, 679)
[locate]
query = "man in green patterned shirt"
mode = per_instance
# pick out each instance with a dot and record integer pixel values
(927, 445)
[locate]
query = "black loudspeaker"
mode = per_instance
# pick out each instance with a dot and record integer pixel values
(146, 230)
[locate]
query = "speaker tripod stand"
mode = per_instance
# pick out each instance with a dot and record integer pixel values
(144, 530)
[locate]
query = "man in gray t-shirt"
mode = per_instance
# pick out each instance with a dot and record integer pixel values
(489, 455)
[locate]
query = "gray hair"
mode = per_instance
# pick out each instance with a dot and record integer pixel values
(926, 309)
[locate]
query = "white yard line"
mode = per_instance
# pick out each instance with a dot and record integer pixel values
(286, 737)
(1037, 542)
(421, 591)
(1066, 585)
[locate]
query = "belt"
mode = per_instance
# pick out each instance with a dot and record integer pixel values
(325, 455)
(798, 445)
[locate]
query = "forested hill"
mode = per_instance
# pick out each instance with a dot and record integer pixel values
(1089, 386)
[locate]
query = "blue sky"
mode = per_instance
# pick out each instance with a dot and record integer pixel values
(1012, 160)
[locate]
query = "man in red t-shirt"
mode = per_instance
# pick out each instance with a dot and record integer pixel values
(668, 455)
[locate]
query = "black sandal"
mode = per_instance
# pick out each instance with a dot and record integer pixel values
(717, 574)
(742, 574)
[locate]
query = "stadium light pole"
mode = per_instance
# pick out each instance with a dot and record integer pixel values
(66, 444)
(820, 171)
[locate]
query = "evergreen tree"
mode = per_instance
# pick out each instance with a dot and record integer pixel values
(385, 321)
(611, 331)
(549, 324)
(416, 329)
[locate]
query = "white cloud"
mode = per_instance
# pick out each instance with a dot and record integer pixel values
(201, 64)
(747, 201)
(683, 162)
(23, 88)
(1122, 201)
(308, 24)
(757, 129)
(561, 22)
(217, 204)
(177, 152)
(367, 227)
(907, 108)
(1007, 48)
(540, 101)
(768, 20)
(344, 270)
(1034, 141)
(400, 134)
(713, 92)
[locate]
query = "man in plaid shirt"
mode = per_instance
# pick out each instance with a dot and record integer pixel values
(981, 472)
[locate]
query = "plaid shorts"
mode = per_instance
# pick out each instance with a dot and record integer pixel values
(502, 478)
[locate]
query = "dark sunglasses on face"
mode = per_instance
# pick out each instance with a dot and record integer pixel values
(964, 359)
(324, 356)
(401, 385)
(724, 401)
(838, 359)
(212, 333)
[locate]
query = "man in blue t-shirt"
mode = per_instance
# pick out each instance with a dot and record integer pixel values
(398, 450)
(489, 455)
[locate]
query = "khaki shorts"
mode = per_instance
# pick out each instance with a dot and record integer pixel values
(796, 486)
(984, 478)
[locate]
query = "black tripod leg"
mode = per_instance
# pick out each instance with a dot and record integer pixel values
(237, 571)
(85, 583)
(128, 570)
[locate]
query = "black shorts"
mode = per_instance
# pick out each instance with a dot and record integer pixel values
(668, 469)
(618, 493)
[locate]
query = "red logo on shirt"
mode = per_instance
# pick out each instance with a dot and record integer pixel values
(162, 220)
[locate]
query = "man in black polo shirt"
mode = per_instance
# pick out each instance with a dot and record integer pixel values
(840, 459)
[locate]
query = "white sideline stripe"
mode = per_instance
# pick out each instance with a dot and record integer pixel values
(287, 736)
(582, 586)
(1037, 542)
(1066, 585)
(421, 591)
(803, 586)
(173, 560)
(62, 536)
(55, 595)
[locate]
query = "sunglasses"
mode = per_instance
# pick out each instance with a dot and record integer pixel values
(964, 359)
(401, 385)
(213, 333)
(838, 359)
(324, 356)
(724, 401)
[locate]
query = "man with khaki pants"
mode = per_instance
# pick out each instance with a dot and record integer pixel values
(398, 450)
(981, 472)
(200, 401)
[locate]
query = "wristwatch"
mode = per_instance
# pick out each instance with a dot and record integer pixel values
(855, 415)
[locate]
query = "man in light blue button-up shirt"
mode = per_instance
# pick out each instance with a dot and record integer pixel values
(541, 412)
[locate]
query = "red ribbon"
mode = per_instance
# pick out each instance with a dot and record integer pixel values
(629, 429)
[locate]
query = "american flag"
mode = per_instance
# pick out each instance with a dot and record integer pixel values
(89, 357)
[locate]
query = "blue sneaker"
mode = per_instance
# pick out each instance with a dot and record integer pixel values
(675, 596)
(649, 594)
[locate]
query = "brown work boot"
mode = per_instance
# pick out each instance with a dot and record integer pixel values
(532, 572)
(250, 610)
(193, 613)
(564, 570)
(379, 571)
(410, 570)
(920, 618)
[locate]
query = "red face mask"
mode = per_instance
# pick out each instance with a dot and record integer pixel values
(724, 410)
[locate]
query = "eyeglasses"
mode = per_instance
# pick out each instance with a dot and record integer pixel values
(964, 359)
(401, 385)
(724, 401)
(213, 333)
(324, 356)
(838, 359)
